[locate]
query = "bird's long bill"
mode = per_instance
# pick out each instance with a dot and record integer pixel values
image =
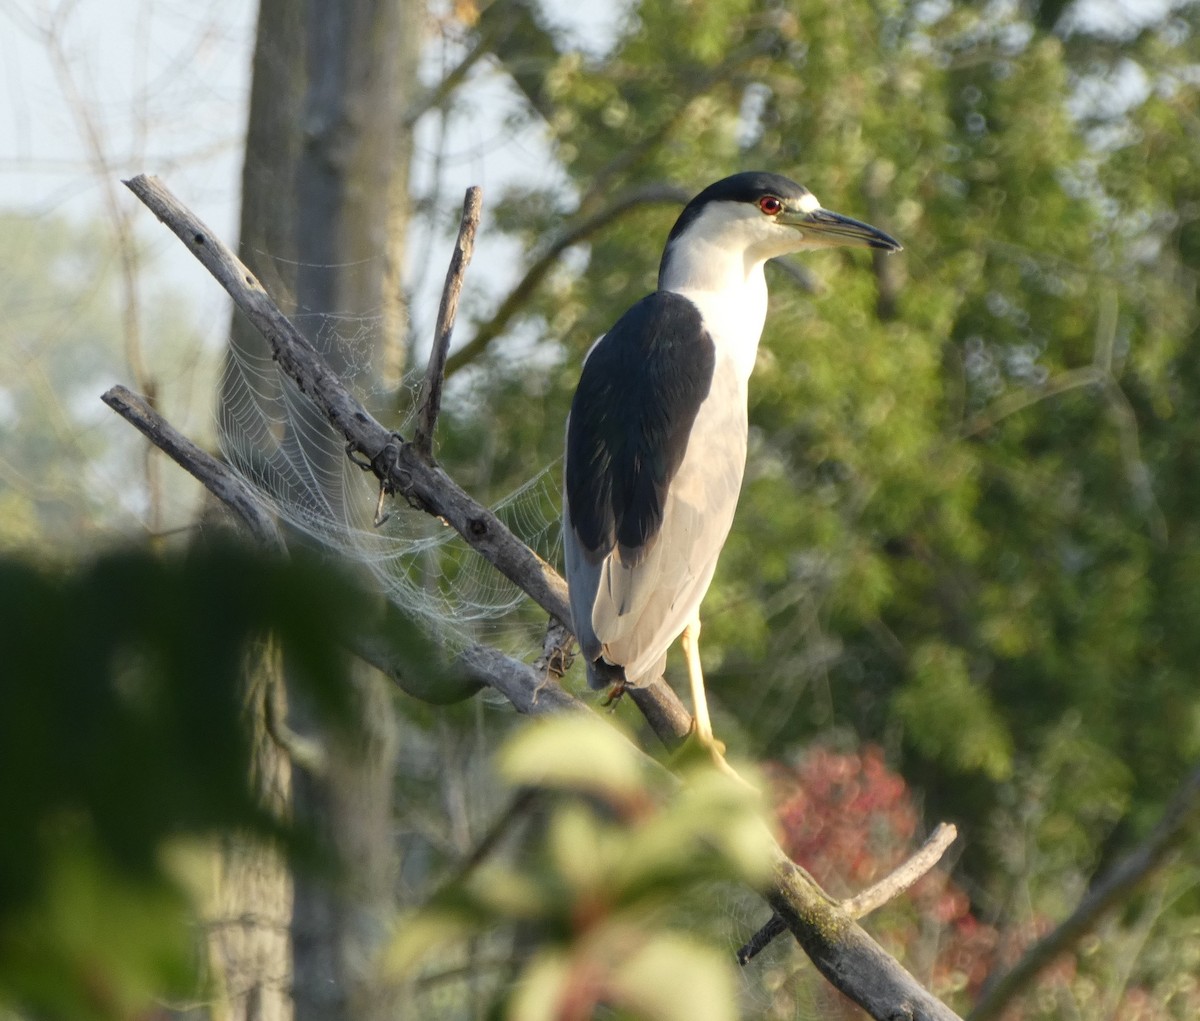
(830, 228)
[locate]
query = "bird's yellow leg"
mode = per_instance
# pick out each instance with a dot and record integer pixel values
(701, 722)
(691, 651)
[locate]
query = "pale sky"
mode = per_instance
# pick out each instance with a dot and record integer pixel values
(162, 85)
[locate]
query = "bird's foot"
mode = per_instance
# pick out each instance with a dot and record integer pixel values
(698, 743)
(614, 695)
(707, 741)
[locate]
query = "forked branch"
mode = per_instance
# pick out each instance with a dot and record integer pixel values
(397, 464)
(862, 904)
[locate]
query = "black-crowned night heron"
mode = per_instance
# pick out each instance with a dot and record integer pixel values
(656, 439)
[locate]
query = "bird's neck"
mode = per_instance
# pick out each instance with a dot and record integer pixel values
(729, 289)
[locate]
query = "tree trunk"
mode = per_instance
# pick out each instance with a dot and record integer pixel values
(324, 213)
(250, 947)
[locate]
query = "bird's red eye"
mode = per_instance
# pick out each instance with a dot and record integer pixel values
(770, 205)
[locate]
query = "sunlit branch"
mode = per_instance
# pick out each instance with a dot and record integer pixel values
(892, 885)
(872, 898)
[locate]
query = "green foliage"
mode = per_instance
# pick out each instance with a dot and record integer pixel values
(94, 941)
(124, 731)
(613, 851)
(951, 719)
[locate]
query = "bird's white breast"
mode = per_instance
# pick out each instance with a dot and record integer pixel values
(734, 317)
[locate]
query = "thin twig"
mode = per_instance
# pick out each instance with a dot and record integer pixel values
(1019, 400)
(1111, 889)
(1098, 374)
(520, 805)
(469, 970)
(756, 944)
(307, 753)
(896, 882)
(450, 81)
(871, 899)
(216, 477)
(131, 278)
(435, 373)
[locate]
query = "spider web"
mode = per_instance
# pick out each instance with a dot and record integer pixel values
(276, 440)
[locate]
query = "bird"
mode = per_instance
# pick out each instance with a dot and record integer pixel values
(656, 437)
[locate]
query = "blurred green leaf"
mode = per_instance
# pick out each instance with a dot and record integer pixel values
(98, 944)
(674, 978)
(542, 991)
(574, 753)
(122, 711)
(418, 935)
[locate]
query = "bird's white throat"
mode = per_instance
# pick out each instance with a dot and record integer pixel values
(717, 263)
(732, 300)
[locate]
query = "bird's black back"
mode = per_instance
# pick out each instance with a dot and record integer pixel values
(638, 396)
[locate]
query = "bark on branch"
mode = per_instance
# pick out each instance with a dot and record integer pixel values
(219, 480)
(862, 904)
(840, 949)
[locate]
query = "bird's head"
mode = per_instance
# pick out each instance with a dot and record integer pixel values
(760, 216)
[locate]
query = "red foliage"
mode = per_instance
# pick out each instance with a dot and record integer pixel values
(849, 820)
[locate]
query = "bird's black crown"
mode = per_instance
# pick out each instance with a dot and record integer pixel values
(748, 186)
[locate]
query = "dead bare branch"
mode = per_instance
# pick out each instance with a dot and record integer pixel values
(895, 883)
(393, 461)
(435, 373)
(844, 953)
(874, 897)
(219, 480)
